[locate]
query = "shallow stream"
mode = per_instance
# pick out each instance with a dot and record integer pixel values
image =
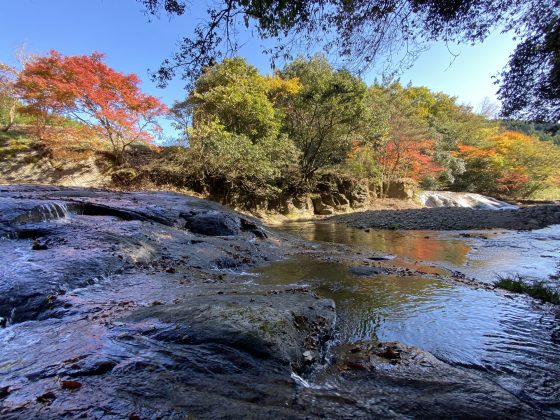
(512, 339)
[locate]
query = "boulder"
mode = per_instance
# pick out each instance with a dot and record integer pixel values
(402, 188)
(213, 223)
(340, 199)
(322, 208)
(302, 206)
(359, 195)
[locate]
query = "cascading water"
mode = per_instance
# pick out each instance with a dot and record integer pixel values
(55, 211)
(462, 199)
(45, 212)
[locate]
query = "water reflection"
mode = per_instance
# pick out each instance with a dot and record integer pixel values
(511, 340)
(478, 254)
(417, 244)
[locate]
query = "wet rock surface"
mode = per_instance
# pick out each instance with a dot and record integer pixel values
(117, 305)
(415, 384)
(454, 218)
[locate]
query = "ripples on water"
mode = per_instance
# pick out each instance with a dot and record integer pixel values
(512, 340)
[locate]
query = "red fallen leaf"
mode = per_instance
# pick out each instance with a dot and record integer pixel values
(357, 366)
(4, 391)
(71, 385)
(47, 397)
(134, 416)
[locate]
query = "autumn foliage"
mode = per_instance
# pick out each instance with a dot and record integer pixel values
(251, 138)
(86, 90)
(510, 163)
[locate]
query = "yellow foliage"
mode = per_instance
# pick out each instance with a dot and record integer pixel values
(279, 87)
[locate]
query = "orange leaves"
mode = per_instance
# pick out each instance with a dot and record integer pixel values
(408, 157)
(72, 143)
(512, 163)
(471, 152)
(87, 90)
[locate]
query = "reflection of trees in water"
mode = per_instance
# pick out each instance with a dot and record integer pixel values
(412, 244)
(362, 302)
(510, 339)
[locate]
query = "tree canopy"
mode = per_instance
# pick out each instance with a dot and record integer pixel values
(257, 139)
(326, 114)
(87, 90)
(254, 137)
(364, 31)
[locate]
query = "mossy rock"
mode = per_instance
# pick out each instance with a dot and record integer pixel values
(124, 176)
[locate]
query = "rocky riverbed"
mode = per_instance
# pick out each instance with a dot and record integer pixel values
(453, 218)
(137, 305)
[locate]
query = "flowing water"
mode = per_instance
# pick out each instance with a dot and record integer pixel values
(462, 199)
(512, 339)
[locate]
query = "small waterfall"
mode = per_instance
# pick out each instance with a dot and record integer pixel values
(305, 384)
(52, 211)
(46, 212)
(459, 199)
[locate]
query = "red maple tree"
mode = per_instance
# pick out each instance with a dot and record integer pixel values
(85, 89)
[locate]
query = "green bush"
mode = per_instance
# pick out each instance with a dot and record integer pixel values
(12, 143)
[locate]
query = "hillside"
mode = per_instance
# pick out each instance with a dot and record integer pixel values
(23, 160)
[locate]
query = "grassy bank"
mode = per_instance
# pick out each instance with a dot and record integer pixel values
(14, 142)
(536, 290)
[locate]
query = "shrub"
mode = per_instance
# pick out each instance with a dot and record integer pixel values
(124, 176)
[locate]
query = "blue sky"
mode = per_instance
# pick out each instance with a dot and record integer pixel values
(119, 29)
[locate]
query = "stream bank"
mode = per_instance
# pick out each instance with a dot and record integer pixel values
(453, 218)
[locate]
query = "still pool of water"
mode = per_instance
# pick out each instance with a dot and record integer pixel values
(512, 339)
(479, 254)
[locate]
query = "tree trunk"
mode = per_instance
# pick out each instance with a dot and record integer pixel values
(12, 117)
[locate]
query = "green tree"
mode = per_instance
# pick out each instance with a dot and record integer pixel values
(326, 115)
(236, 152)
(238, 97)
(231, 168)
(362, 31)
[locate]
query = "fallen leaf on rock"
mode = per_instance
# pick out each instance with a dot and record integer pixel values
(357, 366)
(47, 397)
(71, 385)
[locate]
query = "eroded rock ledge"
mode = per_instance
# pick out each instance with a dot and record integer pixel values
(131, 306)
